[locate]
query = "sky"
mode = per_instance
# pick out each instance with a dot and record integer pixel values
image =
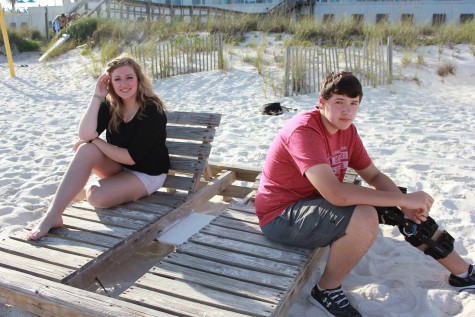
(21, 4)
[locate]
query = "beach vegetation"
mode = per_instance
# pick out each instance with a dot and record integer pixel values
(24, 39)
(446, 68)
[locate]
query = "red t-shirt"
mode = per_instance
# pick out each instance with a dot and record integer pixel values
(302, 143)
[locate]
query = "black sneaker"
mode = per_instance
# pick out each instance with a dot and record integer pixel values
(333, 302)
(463, 284)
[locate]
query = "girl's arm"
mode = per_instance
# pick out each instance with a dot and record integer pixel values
(116, 153)
(88, 124)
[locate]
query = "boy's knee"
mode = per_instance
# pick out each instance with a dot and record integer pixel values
(367, 220)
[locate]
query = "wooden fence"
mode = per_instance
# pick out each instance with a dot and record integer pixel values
(181, 56)
(305, 66)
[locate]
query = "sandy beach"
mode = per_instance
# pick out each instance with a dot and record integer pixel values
(420, 130)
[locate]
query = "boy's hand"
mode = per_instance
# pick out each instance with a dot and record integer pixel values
(417, 206)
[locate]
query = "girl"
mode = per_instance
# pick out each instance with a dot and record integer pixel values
(133, 161)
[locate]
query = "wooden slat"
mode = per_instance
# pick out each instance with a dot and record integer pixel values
(238, 259)
(181, 183)
(190, 133)
(248, 249)
(185, 164)
(65, 245)
(95, 227)
(31, 266)
(188, 149)
(238, 273)
(218, 282)
(238, 225)
(55, 257)
(204, 295)
(130, 212)
(85, 236)
(194, 118)
(236, 191)
(257, 239)
(243, 173)
(51, 299)
(104, 218)
(241, 216)
(172, 304)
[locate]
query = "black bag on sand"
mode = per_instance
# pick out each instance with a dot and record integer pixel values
(271, 109)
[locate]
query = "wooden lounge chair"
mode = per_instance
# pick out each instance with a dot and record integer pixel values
(94, 239)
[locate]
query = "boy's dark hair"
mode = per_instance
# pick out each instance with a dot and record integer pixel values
(341, 83)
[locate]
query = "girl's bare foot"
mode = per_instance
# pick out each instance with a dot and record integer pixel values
(46, 223)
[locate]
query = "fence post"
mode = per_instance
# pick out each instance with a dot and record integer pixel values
(390, 60)
(286, 74)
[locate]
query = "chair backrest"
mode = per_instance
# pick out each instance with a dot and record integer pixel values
(189, 137)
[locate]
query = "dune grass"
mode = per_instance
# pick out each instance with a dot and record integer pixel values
(97, 32)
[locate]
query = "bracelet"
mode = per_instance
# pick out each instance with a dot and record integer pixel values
(101, 99)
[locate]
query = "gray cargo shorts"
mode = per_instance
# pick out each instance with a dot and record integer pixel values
(309, 223)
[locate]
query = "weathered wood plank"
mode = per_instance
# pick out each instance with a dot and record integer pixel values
(97, 227)
(204, 295)
(66, 245)
(243, 173)
(104, 218)
(32, 266)
(121, 211)
(248, 249)
(201, 150)
(179, 182)
(85, 236)
(172, 304)
(56, 257)
(51, 299)
(241, 216)
(236, 191)
(186, 164)
(239, 273)
(257, 239)
(238, 259)
(236, 224)
(218, 282)
(190, 133)
(194, 118)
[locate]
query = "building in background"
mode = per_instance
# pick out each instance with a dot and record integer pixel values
(426, 12)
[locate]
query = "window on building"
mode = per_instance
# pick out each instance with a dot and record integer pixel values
(24, 24)
(13, 25)
(328, 18)
(382, 18)
(464, 18)
(407, 18)
(438, 19)
(357, 18)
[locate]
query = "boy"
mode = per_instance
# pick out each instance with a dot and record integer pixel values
(303, 201)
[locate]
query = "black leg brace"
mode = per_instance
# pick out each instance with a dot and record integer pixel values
(418, 234)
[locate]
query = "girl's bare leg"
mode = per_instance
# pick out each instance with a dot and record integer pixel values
(87, 158)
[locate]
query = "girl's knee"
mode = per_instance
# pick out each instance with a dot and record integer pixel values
(96, 198)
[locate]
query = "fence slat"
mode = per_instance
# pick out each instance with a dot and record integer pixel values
(304, 67)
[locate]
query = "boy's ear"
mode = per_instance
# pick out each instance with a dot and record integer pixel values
(321, 102)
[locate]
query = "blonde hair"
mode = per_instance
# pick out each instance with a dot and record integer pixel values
(145, 91)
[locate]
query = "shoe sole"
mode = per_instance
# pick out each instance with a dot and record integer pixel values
(315, 303)
(470, 288)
